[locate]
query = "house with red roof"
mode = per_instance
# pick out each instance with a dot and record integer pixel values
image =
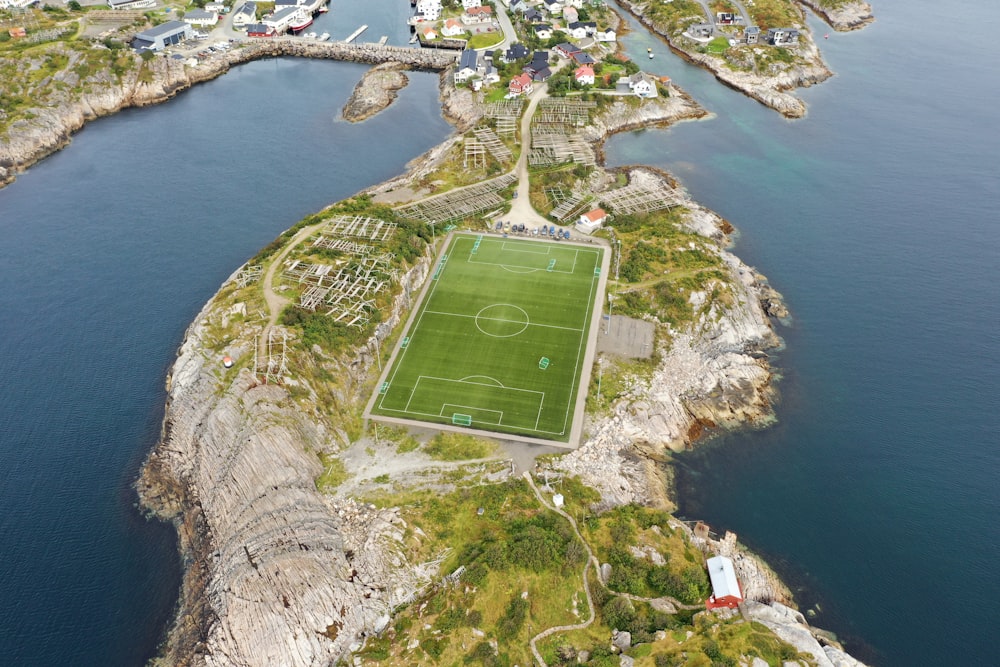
(520, 84)
(584, 75)
(591, 221)
(477, 15)
(726, 590)
(452, 28)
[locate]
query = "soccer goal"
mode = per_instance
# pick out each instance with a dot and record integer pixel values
(543, 363)
(461, 420)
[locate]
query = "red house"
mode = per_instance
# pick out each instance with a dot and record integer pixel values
(726, 590)
(520, 85)
(260, 30)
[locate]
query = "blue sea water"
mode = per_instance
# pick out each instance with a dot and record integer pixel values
(109, 250)
(876, 493)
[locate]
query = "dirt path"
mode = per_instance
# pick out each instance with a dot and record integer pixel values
(591, 560)
(274, 301)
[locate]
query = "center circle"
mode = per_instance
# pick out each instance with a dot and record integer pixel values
(502, 320)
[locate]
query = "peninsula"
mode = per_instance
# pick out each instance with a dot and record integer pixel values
(310, 535)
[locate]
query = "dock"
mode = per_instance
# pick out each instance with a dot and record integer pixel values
(383, 40)
(354, 35)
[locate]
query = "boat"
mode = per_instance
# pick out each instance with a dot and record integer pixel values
(325, 36)
(310, 35)
(649, 52)
(323, 9)
(301, 21)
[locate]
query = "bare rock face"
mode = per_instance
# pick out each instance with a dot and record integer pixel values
(276, 573)
(791, 626)
(375, 92)
(848, 16)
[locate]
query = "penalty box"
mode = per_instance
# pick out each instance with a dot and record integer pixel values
(476, 401)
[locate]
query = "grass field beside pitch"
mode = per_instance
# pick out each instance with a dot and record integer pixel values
(498, 340)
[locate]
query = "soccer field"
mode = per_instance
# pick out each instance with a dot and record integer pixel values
(499, 339)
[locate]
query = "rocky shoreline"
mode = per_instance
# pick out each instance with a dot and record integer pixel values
(276, 572)
(375, 92)
(53, 127)
(849, 16)
(771, 90)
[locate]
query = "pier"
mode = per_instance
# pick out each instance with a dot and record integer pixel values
(354, 35)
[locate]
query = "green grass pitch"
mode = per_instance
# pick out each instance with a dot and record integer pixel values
(473, 354)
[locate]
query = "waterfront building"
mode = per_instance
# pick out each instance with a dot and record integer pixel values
(726, 591)
(160, 37)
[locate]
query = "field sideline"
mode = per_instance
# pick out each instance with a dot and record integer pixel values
(501, 340)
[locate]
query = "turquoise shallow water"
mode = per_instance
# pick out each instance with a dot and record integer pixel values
(109, 250)
(876, 493)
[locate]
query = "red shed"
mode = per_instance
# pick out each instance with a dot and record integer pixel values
(726, 590)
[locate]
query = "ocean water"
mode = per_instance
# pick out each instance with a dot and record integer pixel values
(876, 494)
(110, 248)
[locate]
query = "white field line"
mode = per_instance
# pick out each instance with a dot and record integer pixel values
(498, 319)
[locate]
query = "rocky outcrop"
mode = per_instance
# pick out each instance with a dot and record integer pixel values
(51, 126)
(276, 573)
(714, 374)
(844, 17)
(790, 626)
(769, 88)
(375, 92)
(663, 110)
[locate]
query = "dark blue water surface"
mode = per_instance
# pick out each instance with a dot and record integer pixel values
(109, 250)
(876, 495)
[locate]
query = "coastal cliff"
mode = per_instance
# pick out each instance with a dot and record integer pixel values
(276, 573)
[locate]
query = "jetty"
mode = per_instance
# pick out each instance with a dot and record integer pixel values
(354, 35)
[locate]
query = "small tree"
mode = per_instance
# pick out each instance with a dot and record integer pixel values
(147, 55)
(74, 5)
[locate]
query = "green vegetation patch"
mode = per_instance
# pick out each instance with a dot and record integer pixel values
(520, 572)
(494, 310)
(458, 447)
(666, 563)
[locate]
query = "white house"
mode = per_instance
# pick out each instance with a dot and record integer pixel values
(553, 7)
(477, 15)
(605, 35)
(201, 18)
(245, 15)
(570, 14)
(217, 7)
(429, 9)
(429, 33)
(591, 221)
(642, 85)
(543, 31)
(469, 4)
(468, 66)
(584, 75)
(452, 28)
(520, 85)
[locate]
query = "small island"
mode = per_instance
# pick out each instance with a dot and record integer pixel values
(314, 532)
